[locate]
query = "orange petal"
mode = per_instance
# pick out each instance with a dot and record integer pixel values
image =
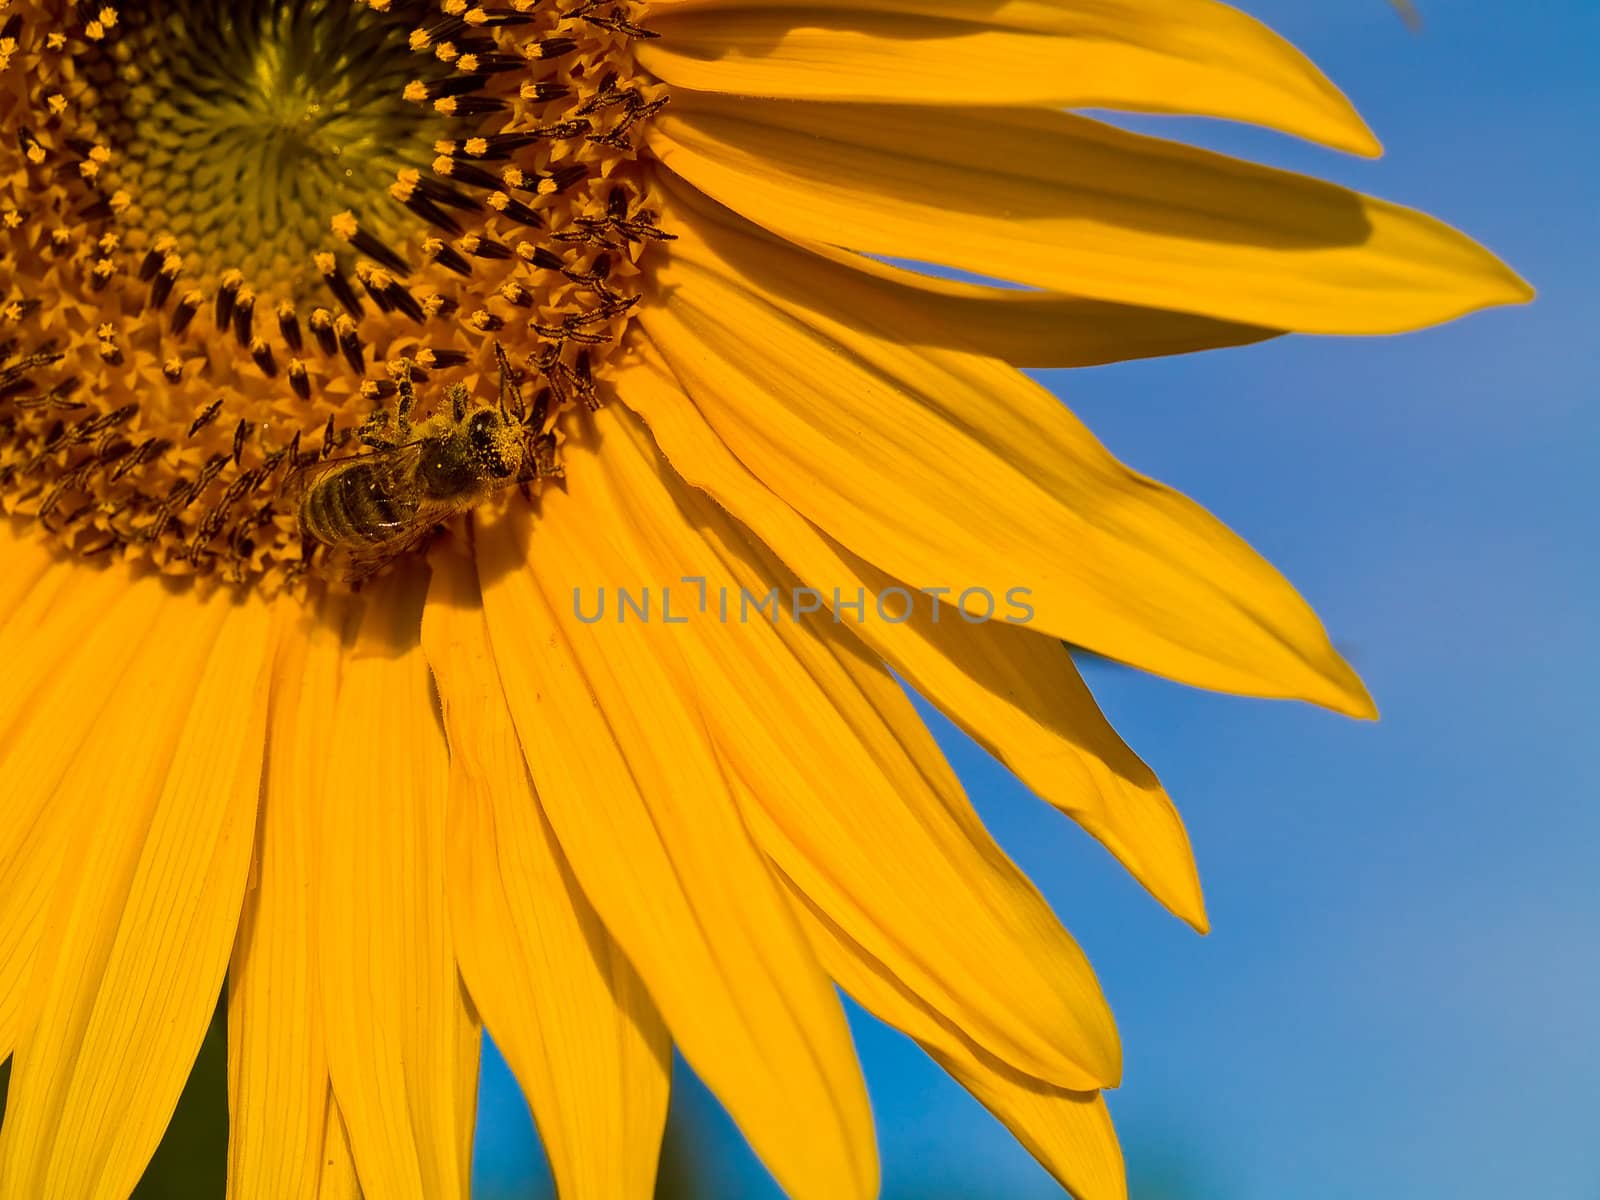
(557, 995)
(145, 911)
(1069, 1132)
(279, 1098)
(956, 472)
(402, 1044)
(1019, 695)
(1022, 326)
(66, 647)
(628, 777)
(1163, 56)
(1074, 205)
(839, 768)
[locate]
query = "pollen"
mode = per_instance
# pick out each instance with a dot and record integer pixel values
(225, 227)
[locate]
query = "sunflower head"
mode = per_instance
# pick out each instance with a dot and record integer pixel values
(225, 223)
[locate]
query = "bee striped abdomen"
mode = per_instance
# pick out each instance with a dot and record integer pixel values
(356, 505)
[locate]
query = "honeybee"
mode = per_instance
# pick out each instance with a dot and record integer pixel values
(369, 508)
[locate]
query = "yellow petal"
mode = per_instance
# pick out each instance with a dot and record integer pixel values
(279, 1096)
(557, 996)
(1069, 1132)
(66, 649)
(1024, 327)
(145, 911)
(1063, 202)
(952, 471)
(1018, 695)
(1022, 699)
(1161, 56)
(338, 1180)
(851, 797)
(401, 1043)
(628, 778)
(24, 559)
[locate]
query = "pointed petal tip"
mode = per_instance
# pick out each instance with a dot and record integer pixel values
(1179, 892)
(1351, 699)
(1521, 291)
(1502, 286)
(1361, 140)
(1191, 910)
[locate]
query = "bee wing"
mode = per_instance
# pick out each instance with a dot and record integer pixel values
(301, 480)
(399, 463)
(349, 561)
(353, 563)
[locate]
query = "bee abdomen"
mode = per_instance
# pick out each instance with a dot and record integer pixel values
(355, 505)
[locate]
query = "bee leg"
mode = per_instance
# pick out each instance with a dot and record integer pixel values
(408, 397)
(508, 382)
(459, 398)
(372, 431)
(542, 462)
(535, 420)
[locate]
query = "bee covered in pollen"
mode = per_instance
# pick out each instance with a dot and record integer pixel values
(368, 509)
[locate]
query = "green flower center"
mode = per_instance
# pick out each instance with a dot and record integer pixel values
(240, 128)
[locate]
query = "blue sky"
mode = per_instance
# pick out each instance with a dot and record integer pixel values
(1400, 995)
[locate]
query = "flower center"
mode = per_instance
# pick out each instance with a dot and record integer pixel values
(242, 234)
(242, 128)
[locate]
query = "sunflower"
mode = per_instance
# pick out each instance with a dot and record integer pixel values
(612, 756)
